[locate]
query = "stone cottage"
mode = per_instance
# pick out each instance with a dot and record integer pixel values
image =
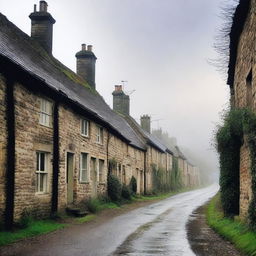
(242, 81)
(58, 137)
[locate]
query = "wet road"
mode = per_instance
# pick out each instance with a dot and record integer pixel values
(157, 229)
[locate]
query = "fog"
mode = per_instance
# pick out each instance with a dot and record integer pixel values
(160, 48)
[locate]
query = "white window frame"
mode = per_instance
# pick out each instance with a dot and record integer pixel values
(85, 134)
(99, 135)
(40, 172)
(86, 170)
(45, 114)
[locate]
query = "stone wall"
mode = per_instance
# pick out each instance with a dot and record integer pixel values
(72, 141)
(3, 144)
(245, 96)
(30, 138)
(245, 180)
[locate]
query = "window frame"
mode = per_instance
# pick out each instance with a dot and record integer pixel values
(40, 172)
(87, 177)
(99, 135)
(87, 127)
(45, 115)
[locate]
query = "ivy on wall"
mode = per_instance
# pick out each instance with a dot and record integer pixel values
(239, 124)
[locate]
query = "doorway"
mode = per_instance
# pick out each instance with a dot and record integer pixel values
(70, 178)
(93, 168)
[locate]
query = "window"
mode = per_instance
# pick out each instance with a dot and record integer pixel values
(85, 127)
(45, 117)
(99, 138)
(84, 168)
(41, 171)
(101, 170)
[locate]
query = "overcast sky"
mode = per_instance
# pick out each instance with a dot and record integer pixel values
(161, 47)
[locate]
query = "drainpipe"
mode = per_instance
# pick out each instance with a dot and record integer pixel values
(10, 167)
(55, 165)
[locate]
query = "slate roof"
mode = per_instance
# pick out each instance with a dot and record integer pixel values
(239, 19)
(149, 138)
(181, 155)
(27, 54)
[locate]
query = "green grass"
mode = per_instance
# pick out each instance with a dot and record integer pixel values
(233, 230)
(36, 227)
(87, 218)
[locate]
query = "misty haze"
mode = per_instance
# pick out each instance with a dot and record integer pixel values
(127, 127)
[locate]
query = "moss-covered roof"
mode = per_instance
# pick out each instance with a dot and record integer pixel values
(18, 48)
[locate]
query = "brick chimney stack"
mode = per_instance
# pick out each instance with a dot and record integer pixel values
(85, 64)
(121, 101)
(42, 26)
(145, 123)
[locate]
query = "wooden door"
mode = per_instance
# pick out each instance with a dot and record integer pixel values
(70, 178)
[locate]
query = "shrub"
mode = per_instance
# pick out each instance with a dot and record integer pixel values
(25, 219)
(126, 192)
(114, 188)
(93, 205)
(133, 185)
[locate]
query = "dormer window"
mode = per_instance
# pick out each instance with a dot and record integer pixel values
(85, 127)
(99, 135)
(45, 114)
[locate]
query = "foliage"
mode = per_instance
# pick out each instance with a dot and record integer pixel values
(93, 205)
(25, 219)
(114, 188)
(86, 218)
(126, 192)
(133, 185)
(175, 176)
(34, 228)
(233, 230)
(239, 124)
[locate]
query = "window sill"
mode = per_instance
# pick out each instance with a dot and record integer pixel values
(85, 136)
(84, 182)
(44, 125)
(42, 193)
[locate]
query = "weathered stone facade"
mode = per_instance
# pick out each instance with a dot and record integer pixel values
(3, 143)
(244, 95)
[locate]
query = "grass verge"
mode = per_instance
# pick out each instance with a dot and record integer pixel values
(233, 230)
(36, 227)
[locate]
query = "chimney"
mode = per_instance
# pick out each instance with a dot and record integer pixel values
(145, 123)
(42, 26)
(85, 64)
(121, 101)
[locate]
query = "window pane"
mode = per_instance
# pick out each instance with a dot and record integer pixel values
(83, 168)
(37, 182)
(41, 182)
(37, 161)
(42, 162)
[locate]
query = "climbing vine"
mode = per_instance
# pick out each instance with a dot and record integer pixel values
(239, 124)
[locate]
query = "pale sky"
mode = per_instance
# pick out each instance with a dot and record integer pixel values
(161, 47)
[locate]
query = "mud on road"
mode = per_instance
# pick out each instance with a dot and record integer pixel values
(203, 240)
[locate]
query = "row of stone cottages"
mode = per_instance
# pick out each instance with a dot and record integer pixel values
(58, 137)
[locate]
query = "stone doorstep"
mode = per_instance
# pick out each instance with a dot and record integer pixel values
(76, 211)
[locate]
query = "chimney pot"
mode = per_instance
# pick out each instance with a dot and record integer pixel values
(118, 88)
(34, 7)
(89, 48)
(83, 47)
(43, 6)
